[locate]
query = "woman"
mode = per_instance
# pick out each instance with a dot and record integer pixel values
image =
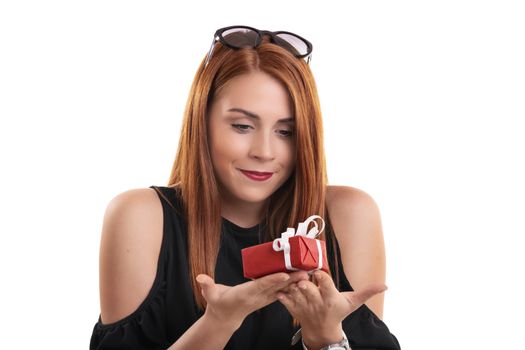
(250, 163)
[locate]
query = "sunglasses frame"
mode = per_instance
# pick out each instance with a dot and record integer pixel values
(260, 33)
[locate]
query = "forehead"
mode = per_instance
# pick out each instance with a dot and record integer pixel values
(257, 92)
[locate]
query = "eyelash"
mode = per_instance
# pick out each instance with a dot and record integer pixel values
(239, 127)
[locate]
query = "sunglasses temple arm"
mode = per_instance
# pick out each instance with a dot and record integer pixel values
(210, 52)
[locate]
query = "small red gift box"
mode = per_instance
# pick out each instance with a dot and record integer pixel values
(293, 251)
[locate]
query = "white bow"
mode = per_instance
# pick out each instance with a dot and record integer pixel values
(282, 244)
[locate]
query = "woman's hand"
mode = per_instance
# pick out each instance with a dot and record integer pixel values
(320, 307)
(230, 305)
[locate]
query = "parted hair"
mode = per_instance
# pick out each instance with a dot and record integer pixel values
(303, 193)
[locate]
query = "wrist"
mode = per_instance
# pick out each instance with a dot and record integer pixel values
(316, 338)
(219, 323)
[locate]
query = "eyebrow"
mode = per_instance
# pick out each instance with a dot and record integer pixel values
(256, 117)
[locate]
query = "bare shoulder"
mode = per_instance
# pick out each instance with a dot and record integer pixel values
(350, 207)
(129, 250)
(356, 221)
(347, 195)
(355, 208)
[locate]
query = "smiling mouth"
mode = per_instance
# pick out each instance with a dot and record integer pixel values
(257, 176)
(256, 172)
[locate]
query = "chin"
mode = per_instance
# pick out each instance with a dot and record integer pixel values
(253, 195)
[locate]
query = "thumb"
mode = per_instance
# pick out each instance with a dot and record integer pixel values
(207, 283)
(359, 297)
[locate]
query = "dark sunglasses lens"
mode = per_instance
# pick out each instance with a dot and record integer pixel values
(292, 43)
(240, 37)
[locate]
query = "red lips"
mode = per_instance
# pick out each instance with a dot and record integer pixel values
(258, 176)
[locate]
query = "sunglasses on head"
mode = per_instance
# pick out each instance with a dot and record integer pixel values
(237, 37)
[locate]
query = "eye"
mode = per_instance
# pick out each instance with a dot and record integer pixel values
(241, 127)
(286, 133)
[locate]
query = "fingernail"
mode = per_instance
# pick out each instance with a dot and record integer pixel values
(303, 286)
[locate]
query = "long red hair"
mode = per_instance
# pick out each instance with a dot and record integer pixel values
(302, 195)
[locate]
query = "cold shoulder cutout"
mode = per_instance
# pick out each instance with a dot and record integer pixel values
(145, 327)
(170, 309)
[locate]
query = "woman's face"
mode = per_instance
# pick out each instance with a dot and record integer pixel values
(251, 127)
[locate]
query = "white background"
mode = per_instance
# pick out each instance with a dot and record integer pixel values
(422, 104)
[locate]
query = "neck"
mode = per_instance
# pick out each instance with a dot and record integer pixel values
(243, 214)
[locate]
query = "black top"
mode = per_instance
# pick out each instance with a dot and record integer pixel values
(169, 309)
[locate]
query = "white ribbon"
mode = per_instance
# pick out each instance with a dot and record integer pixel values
(282, 244)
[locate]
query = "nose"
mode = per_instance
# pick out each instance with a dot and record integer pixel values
(262, 147)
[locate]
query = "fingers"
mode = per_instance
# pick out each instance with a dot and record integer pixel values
(325, 283)
(306, 292)
(291, 297)
(266, 284)
(290, 294)
(286, 300)
(297, 295)
(300, 294)
(278, 281)
(269, 283)
(310, 291)
(299, 276)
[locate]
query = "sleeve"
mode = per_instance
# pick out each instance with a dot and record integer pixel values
(366, 331)
(143, 329)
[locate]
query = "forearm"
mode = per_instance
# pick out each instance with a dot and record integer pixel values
(315, 339)
(206, 333)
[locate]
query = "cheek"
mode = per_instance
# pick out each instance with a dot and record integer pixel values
(288, 154)
(229, 148)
